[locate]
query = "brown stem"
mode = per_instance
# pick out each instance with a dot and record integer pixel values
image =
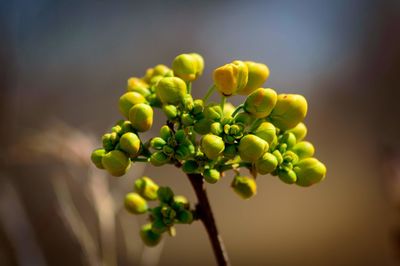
(207, 217)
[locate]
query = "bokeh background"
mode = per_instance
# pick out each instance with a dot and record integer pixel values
(64, 64)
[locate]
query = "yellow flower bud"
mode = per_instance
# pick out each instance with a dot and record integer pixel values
(188, 66)
(231, 77)
(252, 147)
(141, 117)
(290, 109)
(260, 102)
(303, 149)
(258, 74)
(300, 131)
(309, 171)
(128, 100)
(266, 131)
(244, 186)
(146, 187)
(160, 70)
(138, 85)
(135, 204)
(266, 164)
(97, 156)
(212, 146)
(171, 90)
(116, 162)
(130, 143)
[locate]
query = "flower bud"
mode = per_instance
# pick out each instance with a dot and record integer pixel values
(160, 70)
(290, 109)
(158, 226)
(304, 149)
(216, 128)
(213, 112)
(188, 66)
(252, 147)
(187, 120)
(231, 77)
(128, 100)
(135, 204)
(139, 86)
(300, 131)
(266, 164)
(146, 188)
(126, 126)
(244, 186)
(182, 201)
(260, 102)
(170, 111)
(245, 118)
(109, 141)
(165, 194)
(258, 74)
(171, 90)
(141, 117)
(198, 106)
(289, 139)
(130, 143)
(202, 126)
(168, 150)
(97, 156)
(116, 163)
(149, 238)
(157, 143)
(148, 75)
(159, 158)
(182, 152)
(290, 157)
(165, 132)
(190, 166)
(309, 171)
(185, 217)
(278, 156)
(287, 176)
(228, 110)
(266, 131)
(230, 151)
(212, 146)
(211, 176)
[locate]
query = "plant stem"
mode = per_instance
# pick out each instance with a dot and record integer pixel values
(207, 217)
(223, 101)
(209, 93)
(240, 107)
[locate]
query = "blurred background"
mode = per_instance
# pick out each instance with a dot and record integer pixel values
(64, 64)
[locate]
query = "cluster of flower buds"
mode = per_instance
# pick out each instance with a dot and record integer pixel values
(265, 134)
(171, 209)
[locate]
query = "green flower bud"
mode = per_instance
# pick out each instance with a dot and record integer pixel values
(300, 131)
(211, 176)
(304, 149)
(160, 70)
(97, 156)
(117, 129)
(116, 162)
(244, 186)
(309, 171)
(128, 100)
(157, 143)
(287, 176)
(231, 77)
(188, 66)
(182, 152)
(212, 146)
(141, 117)
(109, 141)
(168, 214)
(126, 126)
(165, 194)
(170, 111)
(130, 143)
(266, 131)
(260, 102)
(171, 90)
(245, 118)
(251, 148)
(203, 126)
(180, 136)
(258, 74)
(165, 132)
(216, 128)
(190, 166)
(187, 120)
(146, 188)
(198, 106)
(290, 157)
(182, 201)
(290, 109)
(139, 86)
(266, 164)
(230, 151)
(159, 158)
(278, 156)
(168, 150)
(236, 130)
(158, 226)
(149, 238)
(188, 103)
(289, 139)
(213, 112)
(135, 204)
(185, 217)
